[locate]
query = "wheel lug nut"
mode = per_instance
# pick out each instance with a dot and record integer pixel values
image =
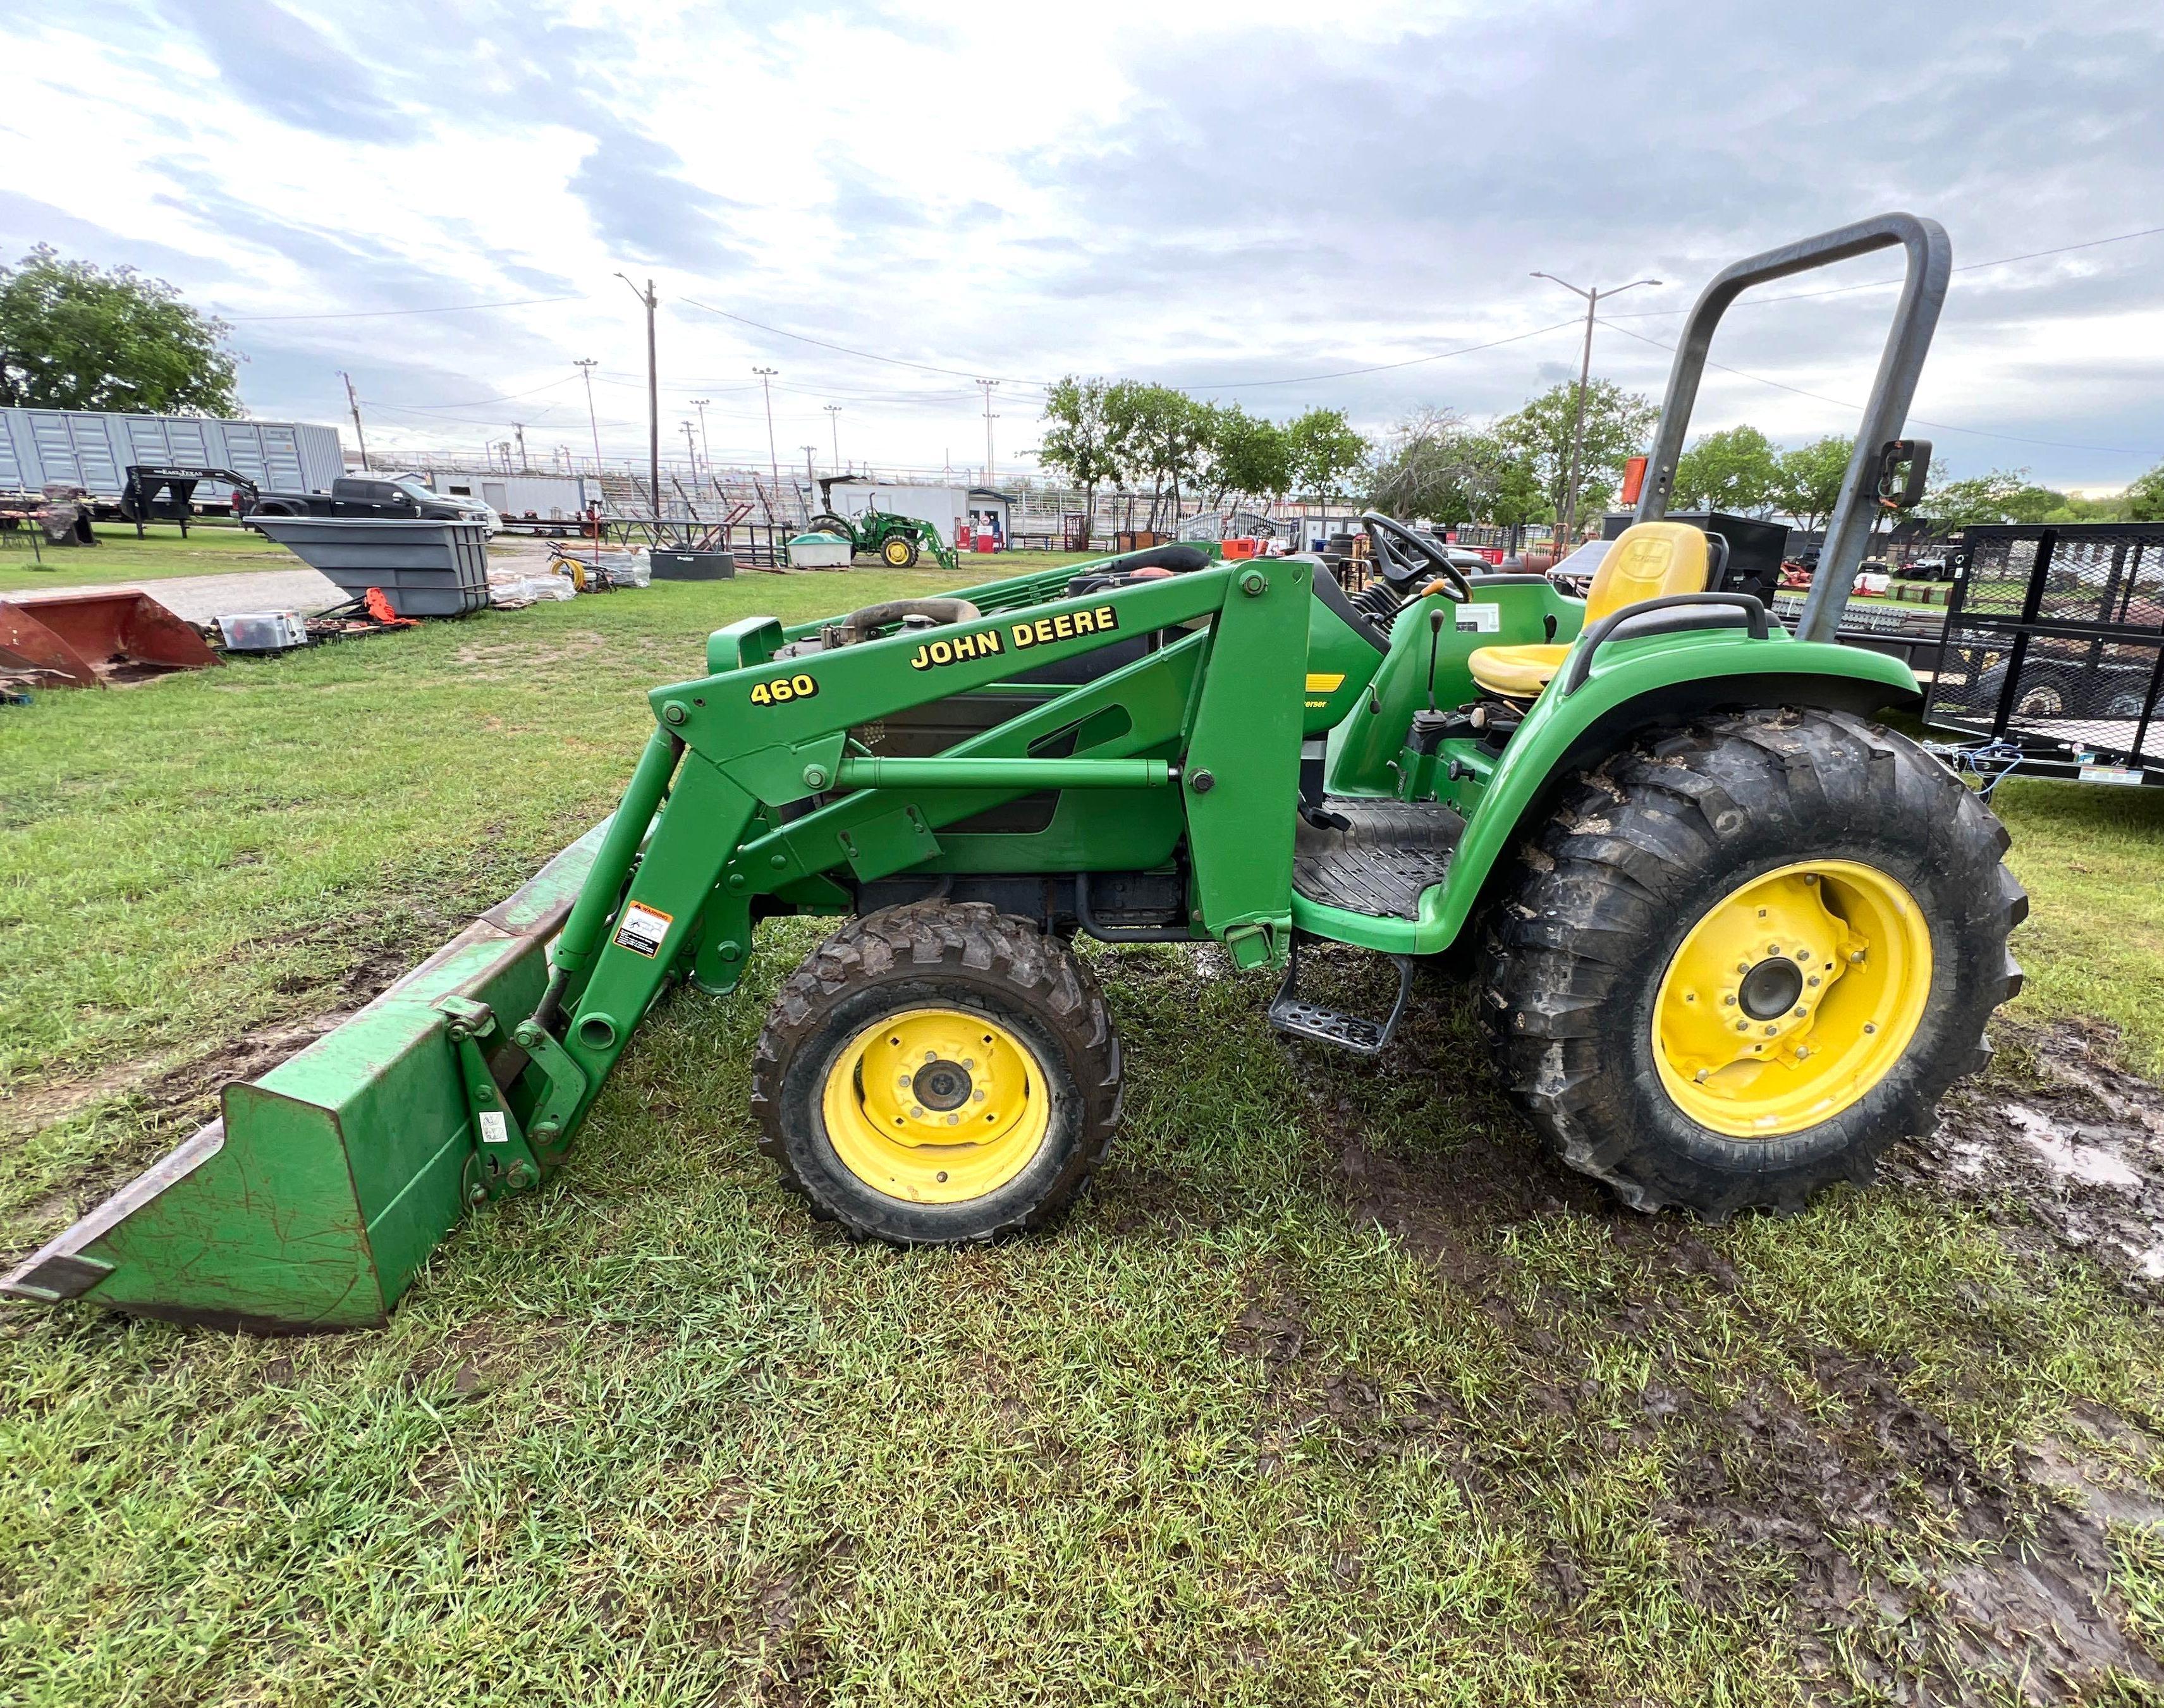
(1856, 959)
(1771, 1030)
(1801, 1013)
(1728, 1001)
(1813, 980)
(917, 1111)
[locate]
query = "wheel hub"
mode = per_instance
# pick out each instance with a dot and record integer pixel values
(1770, 989)
(936, 1105)
(1791, 997)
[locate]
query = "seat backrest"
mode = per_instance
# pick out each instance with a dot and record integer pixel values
(1648, 560)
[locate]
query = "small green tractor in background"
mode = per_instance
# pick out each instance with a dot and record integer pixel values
(897, 541)
(1731, 937)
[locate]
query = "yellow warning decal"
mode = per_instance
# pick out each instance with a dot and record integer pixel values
(1325, 682)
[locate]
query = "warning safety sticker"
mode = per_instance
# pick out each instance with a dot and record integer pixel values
(642, 929)
(1480, 619)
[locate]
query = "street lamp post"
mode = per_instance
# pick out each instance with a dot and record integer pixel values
(1593, 299)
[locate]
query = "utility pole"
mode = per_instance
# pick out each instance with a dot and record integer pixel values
(706, 450)
(354, 399)
(1593, 299)
(988, 386)
(766, 385)
(518, 428)
(691, 451)
(653, 403)
(810, 474)
(834, 426)
(586, 365)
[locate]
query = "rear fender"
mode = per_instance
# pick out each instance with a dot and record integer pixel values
(1638, 685)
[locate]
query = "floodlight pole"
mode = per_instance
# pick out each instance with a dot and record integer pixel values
(586, 365)
(706, 450)
(1569, 518)
(354, 399)
(766, 385)
(653, 403)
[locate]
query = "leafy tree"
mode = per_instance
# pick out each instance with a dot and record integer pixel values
(1326, 451)
(1617, 424)
(1157, 432)
(75, 337)
(1245, 455)
(1807, 480)
(1078, 441)
(1735, 469)
(2003, 495)
(2145, 497)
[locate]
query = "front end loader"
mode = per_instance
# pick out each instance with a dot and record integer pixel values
(1731, 937)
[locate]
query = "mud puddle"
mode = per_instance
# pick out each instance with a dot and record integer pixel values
(2060, 1139)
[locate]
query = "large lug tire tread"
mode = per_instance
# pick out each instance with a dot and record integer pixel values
(964, 954)
(1636, 850)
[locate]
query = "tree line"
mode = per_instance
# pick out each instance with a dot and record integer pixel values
(1437, 467)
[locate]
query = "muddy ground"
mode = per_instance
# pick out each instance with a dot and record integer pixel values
(2063, 1152)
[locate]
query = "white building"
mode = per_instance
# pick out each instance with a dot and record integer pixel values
(517, 497)
(948, 508)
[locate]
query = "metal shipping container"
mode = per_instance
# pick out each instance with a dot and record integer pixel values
(92, 449)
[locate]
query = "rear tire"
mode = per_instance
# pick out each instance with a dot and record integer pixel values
(1648, 855)
(859, 1009)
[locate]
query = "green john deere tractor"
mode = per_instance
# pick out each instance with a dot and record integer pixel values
(897, 541)
(1732, 937)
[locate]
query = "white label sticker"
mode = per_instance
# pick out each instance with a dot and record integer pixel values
(1480, 619)
(2110, 774)
(494, 1128)
(641, 928)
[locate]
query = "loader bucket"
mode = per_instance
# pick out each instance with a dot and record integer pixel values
(329, 1181)
(93, 639)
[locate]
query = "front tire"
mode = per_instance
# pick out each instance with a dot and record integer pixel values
(937, 1073)
(1744, 960)
(900, 552)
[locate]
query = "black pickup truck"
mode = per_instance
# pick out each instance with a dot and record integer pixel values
(401, 499)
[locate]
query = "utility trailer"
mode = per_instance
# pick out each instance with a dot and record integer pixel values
(1731, 937)
(2053, 662)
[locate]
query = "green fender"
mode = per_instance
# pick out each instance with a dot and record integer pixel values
(1635, 683)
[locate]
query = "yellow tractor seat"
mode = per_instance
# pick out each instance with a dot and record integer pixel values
(1648, 560)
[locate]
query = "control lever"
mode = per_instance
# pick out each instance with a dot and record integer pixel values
(1434, 640)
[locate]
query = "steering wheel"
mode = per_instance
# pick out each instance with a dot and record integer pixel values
(1403, 557)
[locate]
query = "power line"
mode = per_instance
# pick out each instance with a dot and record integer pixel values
(1880, 284)
(862, 355)
(1842, 403)
(1379, 367)
(381, 313)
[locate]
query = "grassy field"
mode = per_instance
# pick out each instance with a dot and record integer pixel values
(1333, 1392)
(120, 556)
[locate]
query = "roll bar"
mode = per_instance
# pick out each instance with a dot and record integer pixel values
(1916, 318)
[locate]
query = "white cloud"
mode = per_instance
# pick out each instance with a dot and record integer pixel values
(1225, 190)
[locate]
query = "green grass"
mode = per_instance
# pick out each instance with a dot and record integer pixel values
(120, 556)
(1331, 1392)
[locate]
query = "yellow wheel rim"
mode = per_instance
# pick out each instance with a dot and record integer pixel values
(1791, 998)
(897, 553)
(936, 1105)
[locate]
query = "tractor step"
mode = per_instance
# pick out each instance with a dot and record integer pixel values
(1373, 857)
(1309, 1020)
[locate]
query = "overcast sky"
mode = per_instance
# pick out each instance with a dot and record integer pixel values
(1217, 194)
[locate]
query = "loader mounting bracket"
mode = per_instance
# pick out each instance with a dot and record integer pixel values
(503, 1161)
